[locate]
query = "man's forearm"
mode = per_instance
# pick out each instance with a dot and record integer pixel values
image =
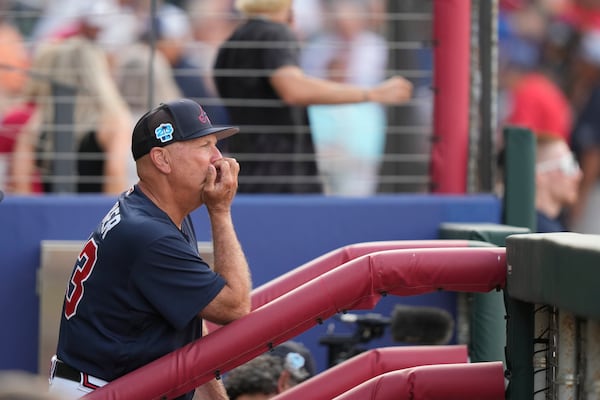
(212, 390)
(230, 261)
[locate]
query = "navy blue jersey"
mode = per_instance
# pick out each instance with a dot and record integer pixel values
(135, 292)
(586, 134)
(546, 224)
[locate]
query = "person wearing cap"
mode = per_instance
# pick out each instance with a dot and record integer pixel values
(139, 288)
(271, 373)
(257, 74)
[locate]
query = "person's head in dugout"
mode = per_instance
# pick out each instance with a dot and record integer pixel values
(271, 373)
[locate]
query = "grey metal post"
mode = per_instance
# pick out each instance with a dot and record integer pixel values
(488, 57)
(64, 168)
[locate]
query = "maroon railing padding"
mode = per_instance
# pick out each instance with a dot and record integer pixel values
(358, 369)
(357, 284)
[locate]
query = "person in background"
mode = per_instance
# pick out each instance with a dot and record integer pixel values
(349, 138)
(530, 95)
(89, 21)
(174, 36)
(585, 139)
(309, 18)
(133, 76)
(266, 92)
(11, 126)
(271, 373)
(14, 124)
(100, 118)
(212, 22)
(13, 77)
(534, 100)
(557, 178)
(15, 62)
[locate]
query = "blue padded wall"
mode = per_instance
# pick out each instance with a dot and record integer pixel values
(278, 233)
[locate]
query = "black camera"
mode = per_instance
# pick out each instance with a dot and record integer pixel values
(343, 346)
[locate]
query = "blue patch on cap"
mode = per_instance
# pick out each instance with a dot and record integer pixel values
(294, 361)
(164, 132)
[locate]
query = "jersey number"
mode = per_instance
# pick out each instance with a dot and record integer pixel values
(83, 270)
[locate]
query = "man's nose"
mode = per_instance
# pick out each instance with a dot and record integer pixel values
(216, 154)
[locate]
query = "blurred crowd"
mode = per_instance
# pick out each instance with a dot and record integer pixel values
(99, 53)
(93, 58)
(549, 79)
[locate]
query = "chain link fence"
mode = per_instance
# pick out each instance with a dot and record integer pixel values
(406, 27)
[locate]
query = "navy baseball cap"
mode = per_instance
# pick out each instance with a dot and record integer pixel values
(171, 122)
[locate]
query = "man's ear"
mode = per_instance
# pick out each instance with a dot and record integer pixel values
(283, 383)
(160, 159)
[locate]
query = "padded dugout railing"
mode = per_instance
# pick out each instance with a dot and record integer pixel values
(335, 258)
(343, 377)
(358, 284)
(478, 381)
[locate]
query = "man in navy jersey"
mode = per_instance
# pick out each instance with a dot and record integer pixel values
(139, 288)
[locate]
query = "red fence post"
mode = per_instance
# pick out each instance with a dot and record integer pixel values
(449, 154)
